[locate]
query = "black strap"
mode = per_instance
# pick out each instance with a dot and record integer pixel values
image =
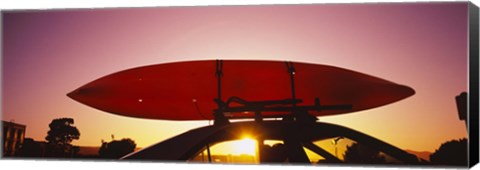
(291, 72)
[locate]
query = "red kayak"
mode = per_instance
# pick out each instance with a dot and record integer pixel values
(186, 90)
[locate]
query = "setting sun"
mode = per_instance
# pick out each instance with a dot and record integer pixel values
(245, 146)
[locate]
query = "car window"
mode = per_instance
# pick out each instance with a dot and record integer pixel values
(314, 157)
(243, 151)
(330, 150)
(353, 152)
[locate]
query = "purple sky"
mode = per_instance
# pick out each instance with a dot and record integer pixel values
(47, 54)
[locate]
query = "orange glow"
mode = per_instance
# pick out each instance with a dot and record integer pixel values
(245, 146)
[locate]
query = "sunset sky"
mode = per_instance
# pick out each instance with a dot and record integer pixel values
(49, 53)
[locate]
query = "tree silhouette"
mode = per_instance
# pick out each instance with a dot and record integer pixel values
(453, 152)
(359, 154)
(61, 134)
(116, 148)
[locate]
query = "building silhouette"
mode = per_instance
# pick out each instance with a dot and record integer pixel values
(12, 137)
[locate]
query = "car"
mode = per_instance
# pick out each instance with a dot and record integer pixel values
(301, 142)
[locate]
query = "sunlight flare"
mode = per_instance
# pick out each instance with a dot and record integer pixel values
(246, 145)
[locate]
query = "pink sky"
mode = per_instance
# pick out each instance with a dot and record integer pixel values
(47, 54)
